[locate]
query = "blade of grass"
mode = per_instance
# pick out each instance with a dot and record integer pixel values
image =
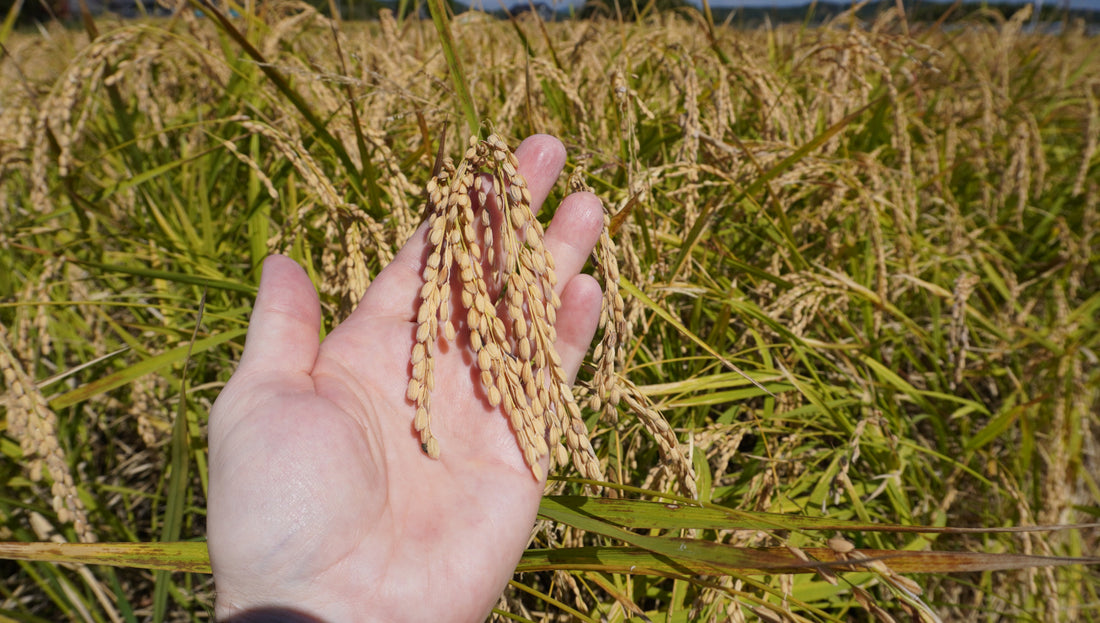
(442, 21)
(642, 561)
(206, 282)
(181, 556)
(178, 477)
(645, 515)
(122, 377)
(577, 614)
(9, 22)
(679, 326)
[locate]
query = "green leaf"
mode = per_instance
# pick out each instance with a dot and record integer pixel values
(187, 556)
(206, 282)
(640, 561)
(9, 20)
(122, 377)
(634, 291)
(442, 21)
(178, 477)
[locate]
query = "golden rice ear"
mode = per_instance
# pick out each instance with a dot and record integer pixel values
(32, 422)
(512, 337)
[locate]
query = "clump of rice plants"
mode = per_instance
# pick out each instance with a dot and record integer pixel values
(856, 273)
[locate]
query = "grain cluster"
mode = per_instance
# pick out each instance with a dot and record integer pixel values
(608, 388)
(32, 422)
(506, 278)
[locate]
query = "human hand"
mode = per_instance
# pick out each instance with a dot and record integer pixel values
(322, 505)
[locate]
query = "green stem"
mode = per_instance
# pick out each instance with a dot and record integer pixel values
(465, 102)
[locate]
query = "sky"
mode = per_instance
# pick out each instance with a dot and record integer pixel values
(490, 5)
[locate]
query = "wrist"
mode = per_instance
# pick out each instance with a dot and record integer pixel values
(270, 615)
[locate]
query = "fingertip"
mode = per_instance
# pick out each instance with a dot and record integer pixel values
(541, 149)
(541, 159)
(278, 266)
(284, 286)
(286, 319)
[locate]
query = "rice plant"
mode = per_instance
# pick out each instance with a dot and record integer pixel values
(851, 285)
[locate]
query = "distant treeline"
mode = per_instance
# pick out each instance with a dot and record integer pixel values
(916, 12)
(920, 11)
(817, 13)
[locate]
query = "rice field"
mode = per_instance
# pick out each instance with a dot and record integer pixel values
(852, 279)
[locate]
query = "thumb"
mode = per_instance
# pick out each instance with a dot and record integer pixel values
(283, 334)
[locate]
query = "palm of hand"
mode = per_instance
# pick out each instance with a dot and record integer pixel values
(321, 499)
